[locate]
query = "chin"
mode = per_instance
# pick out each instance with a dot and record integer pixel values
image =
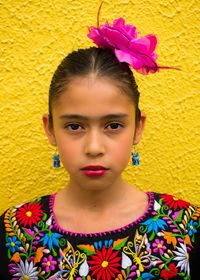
(94, 186)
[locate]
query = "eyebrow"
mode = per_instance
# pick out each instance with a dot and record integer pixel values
(86, 118)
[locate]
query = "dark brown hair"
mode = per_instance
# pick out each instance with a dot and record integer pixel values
(102, 63)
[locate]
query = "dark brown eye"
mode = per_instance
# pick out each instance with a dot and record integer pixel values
(114, 126)
(73, 126)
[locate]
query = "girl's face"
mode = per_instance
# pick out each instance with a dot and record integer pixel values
(94, 125)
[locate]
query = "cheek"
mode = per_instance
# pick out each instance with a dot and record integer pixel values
(68, 150)
(122, 150)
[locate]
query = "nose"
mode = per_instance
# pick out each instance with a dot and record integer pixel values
(94, 143)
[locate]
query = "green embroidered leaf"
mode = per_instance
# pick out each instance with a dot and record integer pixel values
(44, 216)
(179, 218)
(128, 269)
(37, 199)
(181, 274)
(9, 254)
(118, 244)
(152, 235)
(54, 252)
(87, 249)
(28, 237)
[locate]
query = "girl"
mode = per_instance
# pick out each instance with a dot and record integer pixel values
(99, 226)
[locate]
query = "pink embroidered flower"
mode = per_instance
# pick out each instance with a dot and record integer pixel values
(122, 39)
(159, 246)
(49, 263)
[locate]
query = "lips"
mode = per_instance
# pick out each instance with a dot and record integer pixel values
(94, 170)
(94, 167)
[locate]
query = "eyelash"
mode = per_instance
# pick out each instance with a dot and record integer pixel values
(69, 126)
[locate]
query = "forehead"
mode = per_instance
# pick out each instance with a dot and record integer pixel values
(94, 96)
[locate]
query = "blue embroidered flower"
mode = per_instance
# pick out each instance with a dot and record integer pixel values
(13, 244)
(154, 224)
(147, 276)
(192, 227)
(50, 239)
(99, 245)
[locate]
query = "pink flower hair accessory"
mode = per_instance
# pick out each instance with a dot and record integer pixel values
(123, 39)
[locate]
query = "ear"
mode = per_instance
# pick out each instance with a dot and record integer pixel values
(139, 129)
(49, 129)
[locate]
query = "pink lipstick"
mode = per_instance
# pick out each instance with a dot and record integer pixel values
(94, 170)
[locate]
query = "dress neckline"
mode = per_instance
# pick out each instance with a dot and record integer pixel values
(103, 233)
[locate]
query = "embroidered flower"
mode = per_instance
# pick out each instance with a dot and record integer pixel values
(192, 227)
(106, 243)
(154, 224)
(183, 258)
(25, 271)
(122, 39)
(169, 273)
(170, 238)
(147, 276)
(105, 264)
(159, 246)
(13, 244)
(174, 202)
(29, 214)
(49, 263)
(50, 239)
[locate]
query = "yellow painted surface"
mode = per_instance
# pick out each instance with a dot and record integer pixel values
(36, 35)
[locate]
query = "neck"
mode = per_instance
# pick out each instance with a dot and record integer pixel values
(94, 199)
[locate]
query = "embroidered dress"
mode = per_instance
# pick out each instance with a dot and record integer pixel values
(164, 243)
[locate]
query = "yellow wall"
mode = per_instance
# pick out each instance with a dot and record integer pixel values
(36, 35)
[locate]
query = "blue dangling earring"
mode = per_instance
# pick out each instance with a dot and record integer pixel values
(135, 158)
(56, 160)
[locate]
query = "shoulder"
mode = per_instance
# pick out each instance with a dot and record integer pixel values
(178, 216)
(29, 207)
(25, 215)
(177, 208)
(17, 225)
(179, 221)
(179, 212)
(173, 202)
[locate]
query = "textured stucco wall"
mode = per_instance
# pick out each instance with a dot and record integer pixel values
(36, 35)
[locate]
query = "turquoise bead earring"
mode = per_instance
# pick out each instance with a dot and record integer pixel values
(56, 160)
(135, 158)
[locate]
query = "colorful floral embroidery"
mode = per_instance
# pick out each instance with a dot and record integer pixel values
(174, 202)
(156, 246)
(29, 214)
(105, 264)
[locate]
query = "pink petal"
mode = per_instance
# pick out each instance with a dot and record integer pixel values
(119, 23)
(115, 38)
(146, 44)
(140, 62)
(129, 30)
(96, 36)
(125, 56)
